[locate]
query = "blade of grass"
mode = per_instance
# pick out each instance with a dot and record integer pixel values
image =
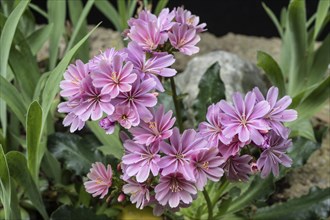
(161, 4)
(321, 14)
(56, 15)
(39, 10)
(122, 10)
(6, 39)
(110, 12)
(37, 39)
(80, 25)
(131, 5)
(5, 185)
(273, 18)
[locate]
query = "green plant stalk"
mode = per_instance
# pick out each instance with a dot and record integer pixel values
(209, 204)
(221, 190)
(176, 104)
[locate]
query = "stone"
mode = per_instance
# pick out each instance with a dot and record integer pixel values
(236, 73)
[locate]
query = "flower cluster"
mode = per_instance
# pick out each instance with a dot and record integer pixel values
(161, 166)
(122, 83)
(254, 121)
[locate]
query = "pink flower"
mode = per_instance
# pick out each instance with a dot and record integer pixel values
(232, 148)
(277, 112)
(139, 193)
(140, 160)
(159, 128)
(184, 39)
(139, 98)
(207, 166)
(212, 129)
(93, 103)
(245, 118)
(73, 79)
(107, 125)
(237, 168)
(71, 119)
(100, 180)
(114, 77)
(183, 16)
(174, 188)
(105, 58)
(178, 154)
(156, 65)
(125, 117)
(274, 155)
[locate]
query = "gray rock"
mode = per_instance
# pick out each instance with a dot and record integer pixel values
(236, 73)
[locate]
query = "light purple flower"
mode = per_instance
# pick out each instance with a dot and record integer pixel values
(159, 128)
(237, 168)
(139, 99)
(146, 34)
(156, 65)
(105, 58)
(139, 193)
(232, 148)
(278, 112)
(245, 118)
(73, 79)
(140, 160)
(206, 165)
(107, 125)
(125, 117)
(274, 155)
(183, 16)
(71, 119)
(174, 188)
(184, 39)
(114, 77)
(93, 103)
(178, 154)
(100, 180)
(212, 129)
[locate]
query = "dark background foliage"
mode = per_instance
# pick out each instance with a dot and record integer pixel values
(222, 16)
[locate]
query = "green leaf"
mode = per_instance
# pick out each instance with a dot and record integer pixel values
(5, 184)
(314, 101)
(272, 70)
(321, 60)
(14, 206)
(53, 81)
(18, 170)
(12, 97)
(211, 90)
(315, 205)
(80, 26)
(111, 143)
(304, 129)
(38, 10)
(110, 12)
(257, 189)
(301, 150)
(35, 149)
(160, 5)
(37, 39)
(81, 213)
(77, 153)
(274, 19)
(131, 4)
(321, 14)
(6, 40)
(298, 41)
(122, 10)
(51, 167)
(56, 15)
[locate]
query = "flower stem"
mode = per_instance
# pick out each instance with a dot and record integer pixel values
(221, 190)
(209, 204)
(176, 104)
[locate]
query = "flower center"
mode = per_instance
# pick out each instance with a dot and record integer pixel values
(99, 181)
(205, 165)
(124, 117)
(114, 77)
(179, 156)
(175, 187)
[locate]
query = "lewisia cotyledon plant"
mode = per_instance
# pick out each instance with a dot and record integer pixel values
(162, 166)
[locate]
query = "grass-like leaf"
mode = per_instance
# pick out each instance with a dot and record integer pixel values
(5, 185)
(110, 12)
(37, 39)
(56, 15)
(18, 170)
(273, 18)
(35, 149)
(321, 14)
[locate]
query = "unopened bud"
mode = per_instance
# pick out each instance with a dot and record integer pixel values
(254, 168)
(121, 197)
